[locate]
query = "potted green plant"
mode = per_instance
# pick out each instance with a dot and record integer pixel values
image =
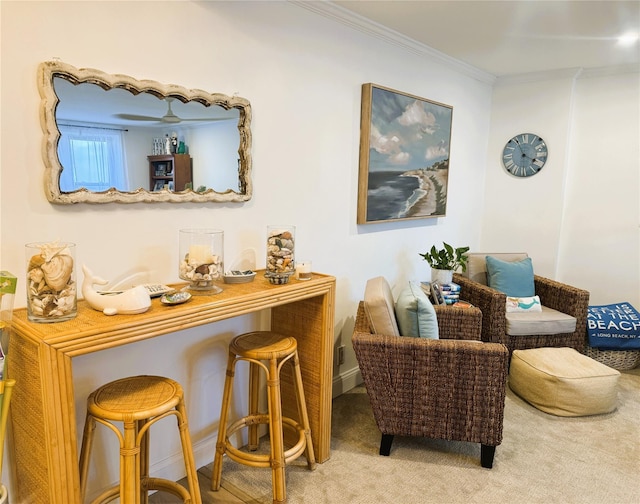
(445, 261)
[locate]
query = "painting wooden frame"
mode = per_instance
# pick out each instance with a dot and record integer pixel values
(404, 156)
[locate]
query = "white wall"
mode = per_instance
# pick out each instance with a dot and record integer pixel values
(524, 214)
(214, 153)
(600, 241)
(302, 74)
(578, 217)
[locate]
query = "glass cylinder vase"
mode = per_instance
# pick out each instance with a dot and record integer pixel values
(51, 281)
(280, 263)
(201, 260)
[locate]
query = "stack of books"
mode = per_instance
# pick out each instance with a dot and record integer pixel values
(450, 293)
(442, 294)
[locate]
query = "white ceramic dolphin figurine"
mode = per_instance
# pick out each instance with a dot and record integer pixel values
(130, 301)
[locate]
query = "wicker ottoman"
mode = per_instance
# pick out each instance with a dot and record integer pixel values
(617, 359)
(563, 382)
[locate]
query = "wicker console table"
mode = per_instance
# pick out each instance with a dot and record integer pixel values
(40, 359)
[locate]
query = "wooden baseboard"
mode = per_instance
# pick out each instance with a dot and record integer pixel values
(346, 381)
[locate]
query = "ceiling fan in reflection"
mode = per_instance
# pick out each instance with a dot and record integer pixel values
(169, 117)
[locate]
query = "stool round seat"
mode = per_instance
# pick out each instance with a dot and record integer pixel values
(138, 402)
(276, 349)
(135, 398)
(263, 345)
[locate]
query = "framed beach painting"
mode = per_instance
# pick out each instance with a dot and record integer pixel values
(404, 156)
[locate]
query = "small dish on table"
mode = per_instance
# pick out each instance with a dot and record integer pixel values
(238, 277)
(175, 297)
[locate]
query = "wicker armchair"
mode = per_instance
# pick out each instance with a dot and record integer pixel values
(441, 389)
(556, 295)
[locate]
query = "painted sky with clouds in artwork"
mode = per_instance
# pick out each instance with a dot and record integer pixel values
(407, 133)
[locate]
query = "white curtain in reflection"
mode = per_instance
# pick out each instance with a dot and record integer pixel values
(93, 158)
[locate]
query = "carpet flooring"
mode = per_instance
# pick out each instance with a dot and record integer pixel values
(542, 459)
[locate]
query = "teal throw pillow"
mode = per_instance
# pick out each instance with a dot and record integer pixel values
(515, 279)
(415, 314)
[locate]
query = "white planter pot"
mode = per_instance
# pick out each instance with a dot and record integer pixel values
(441, 276)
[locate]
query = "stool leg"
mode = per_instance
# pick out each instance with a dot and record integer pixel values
(254, 389)
(85, 453)
(302, 413)
(216, 474)
(142, 467)
(275, 433)
(129, 470)
(187, 453)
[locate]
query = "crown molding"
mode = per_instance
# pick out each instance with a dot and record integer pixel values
(567, 73)
(524, 78)
(610, 70)
(339, 14)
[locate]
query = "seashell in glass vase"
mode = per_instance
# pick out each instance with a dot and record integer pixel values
(51, 282)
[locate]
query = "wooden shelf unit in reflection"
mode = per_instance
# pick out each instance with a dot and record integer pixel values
(173, 171)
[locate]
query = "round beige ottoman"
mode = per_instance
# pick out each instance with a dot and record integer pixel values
(563, 382)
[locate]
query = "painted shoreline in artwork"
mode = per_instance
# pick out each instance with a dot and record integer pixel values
(396, 195)
(426, 201)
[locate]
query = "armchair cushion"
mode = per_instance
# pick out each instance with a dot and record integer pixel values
(547, 321)
(379, 307)
(415, 314)
(514, 278)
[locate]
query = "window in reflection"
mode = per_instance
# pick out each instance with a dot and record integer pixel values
(93, 158)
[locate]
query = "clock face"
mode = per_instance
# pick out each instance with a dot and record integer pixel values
(524, 155)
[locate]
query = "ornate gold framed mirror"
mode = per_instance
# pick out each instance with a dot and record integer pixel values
(113, 138)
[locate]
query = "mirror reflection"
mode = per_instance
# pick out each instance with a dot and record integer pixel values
(113, 138)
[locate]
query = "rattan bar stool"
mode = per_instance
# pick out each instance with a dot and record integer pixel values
(276, 349)
(138, 402)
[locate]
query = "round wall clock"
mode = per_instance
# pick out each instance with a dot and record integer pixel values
(524, 155)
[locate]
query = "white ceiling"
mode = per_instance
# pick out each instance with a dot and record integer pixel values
(498, 38)
(88, 102)
(512, 37)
